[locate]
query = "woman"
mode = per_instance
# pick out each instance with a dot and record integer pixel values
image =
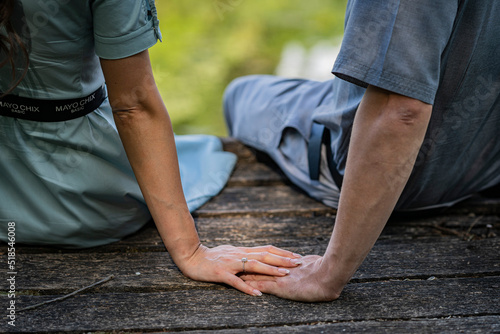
(66, 180)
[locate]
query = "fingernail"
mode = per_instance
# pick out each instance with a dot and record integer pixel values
(296, 261)
(257, 293)
(297, 255)
(283, 271)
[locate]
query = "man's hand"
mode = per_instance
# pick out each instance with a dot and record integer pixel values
(306, 283)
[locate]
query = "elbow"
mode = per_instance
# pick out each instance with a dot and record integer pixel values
(407, 112)
(412, 113)
(140, 115)
(127, 116)
(150, 107)
(398, 112)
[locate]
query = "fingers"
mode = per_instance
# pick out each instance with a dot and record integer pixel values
(275, 260)
(272, 250)
(239, 284)
(257, 277)
(267, 254)
(258, 267)
(264, 286)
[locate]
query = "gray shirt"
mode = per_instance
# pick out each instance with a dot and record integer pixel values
(445, 53)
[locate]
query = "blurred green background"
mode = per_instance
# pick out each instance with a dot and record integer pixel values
(206, 44)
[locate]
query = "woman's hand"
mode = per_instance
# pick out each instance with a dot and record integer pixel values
(222, 264)
(307, 282)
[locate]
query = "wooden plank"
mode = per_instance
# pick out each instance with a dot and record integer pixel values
(244, 153)
(201, 309)
(283, 230)
(238, 229)
(255, 174)
(319, 228)
(147, 272)
(466, 227)
(431, 258)
(475, 324)
(262, 201)
(288, 200)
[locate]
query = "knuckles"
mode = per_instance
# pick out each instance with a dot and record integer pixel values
(265, 255)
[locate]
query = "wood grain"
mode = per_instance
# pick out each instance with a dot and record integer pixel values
(155, 271)
(208, 309)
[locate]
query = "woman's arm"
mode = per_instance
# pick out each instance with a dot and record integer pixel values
(386, 137)
(146, 132)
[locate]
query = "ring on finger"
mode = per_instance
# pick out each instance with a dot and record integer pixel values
(244, 260)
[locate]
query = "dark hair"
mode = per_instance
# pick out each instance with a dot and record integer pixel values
(11, 45)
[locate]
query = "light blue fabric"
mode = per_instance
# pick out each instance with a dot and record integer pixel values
(446, 53)
(66, 38)
(69, 184)
(204, 167)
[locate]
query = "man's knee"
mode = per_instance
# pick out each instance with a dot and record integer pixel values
(236, 96)
(229, 100)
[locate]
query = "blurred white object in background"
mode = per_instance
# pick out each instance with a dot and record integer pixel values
(314, 64)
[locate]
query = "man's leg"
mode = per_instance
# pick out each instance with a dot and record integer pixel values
(275, 115)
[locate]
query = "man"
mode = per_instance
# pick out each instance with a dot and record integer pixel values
(411, 122)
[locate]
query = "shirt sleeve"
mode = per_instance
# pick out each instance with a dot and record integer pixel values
(396, 45)
(123, 28)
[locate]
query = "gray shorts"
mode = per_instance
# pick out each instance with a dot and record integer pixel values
(257, 116)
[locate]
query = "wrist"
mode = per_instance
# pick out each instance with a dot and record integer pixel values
(334, 275)
(178, 233)
(182, 250)
(187, 260)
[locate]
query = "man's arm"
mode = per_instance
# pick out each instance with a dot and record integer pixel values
(386, 137)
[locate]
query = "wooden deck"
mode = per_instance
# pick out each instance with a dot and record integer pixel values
(435, 275)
